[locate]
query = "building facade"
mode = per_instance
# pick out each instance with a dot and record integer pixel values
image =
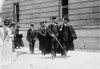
(84, 16)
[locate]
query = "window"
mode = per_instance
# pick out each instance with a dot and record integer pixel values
(16, 12)
(64, 8)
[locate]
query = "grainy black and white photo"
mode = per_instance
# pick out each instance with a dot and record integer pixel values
(49, 34)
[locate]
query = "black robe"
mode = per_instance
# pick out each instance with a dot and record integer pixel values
(43, 39)
(69, 35)
(63, 38)
(18, 39)
(51, 29)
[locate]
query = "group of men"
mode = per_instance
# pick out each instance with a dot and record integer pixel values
(53, 38)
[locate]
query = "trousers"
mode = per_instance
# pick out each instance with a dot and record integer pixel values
(31, 46)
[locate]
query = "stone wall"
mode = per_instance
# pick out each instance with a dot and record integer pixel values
(32, 11)
(85, 18)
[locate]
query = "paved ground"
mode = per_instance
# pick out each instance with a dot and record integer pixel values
(74, 60)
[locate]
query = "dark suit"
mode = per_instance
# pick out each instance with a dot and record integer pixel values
(31, 35)
(19, 39)
(55, 30)
(64, 39)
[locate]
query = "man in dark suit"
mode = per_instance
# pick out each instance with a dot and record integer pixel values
(54, 33)
(31, 37)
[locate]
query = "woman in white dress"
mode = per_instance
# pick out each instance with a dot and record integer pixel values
(1, 40)
(6, 53)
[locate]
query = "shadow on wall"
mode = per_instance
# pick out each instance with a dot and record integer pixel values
(87, 43)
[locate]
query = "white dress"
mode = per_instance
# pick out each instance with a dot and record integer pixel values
(6, 52)
(1, 41)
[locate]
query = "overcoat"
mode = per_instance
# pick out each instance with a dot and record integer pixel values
(72, 36)
(43, 39)
(18, 39)
(52, 29)
(68, 35)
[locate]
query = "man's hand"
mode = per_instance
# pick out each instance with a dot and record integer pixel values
(43, 34)
(52, 35)
(57, 34)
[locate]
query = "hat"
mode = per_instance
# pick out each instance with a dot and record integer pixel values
(52, 18)
(66, 18)
(45, 21)
(18, 26)
(42, 22)
(32, 25)
(6, 21)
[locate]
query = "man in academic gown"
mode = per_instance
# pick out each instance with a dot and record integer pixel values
(43, 37)
(67, 35)
(54, 33)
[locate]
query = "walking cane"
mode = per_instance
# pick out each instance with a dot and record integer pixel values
(55, 37)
